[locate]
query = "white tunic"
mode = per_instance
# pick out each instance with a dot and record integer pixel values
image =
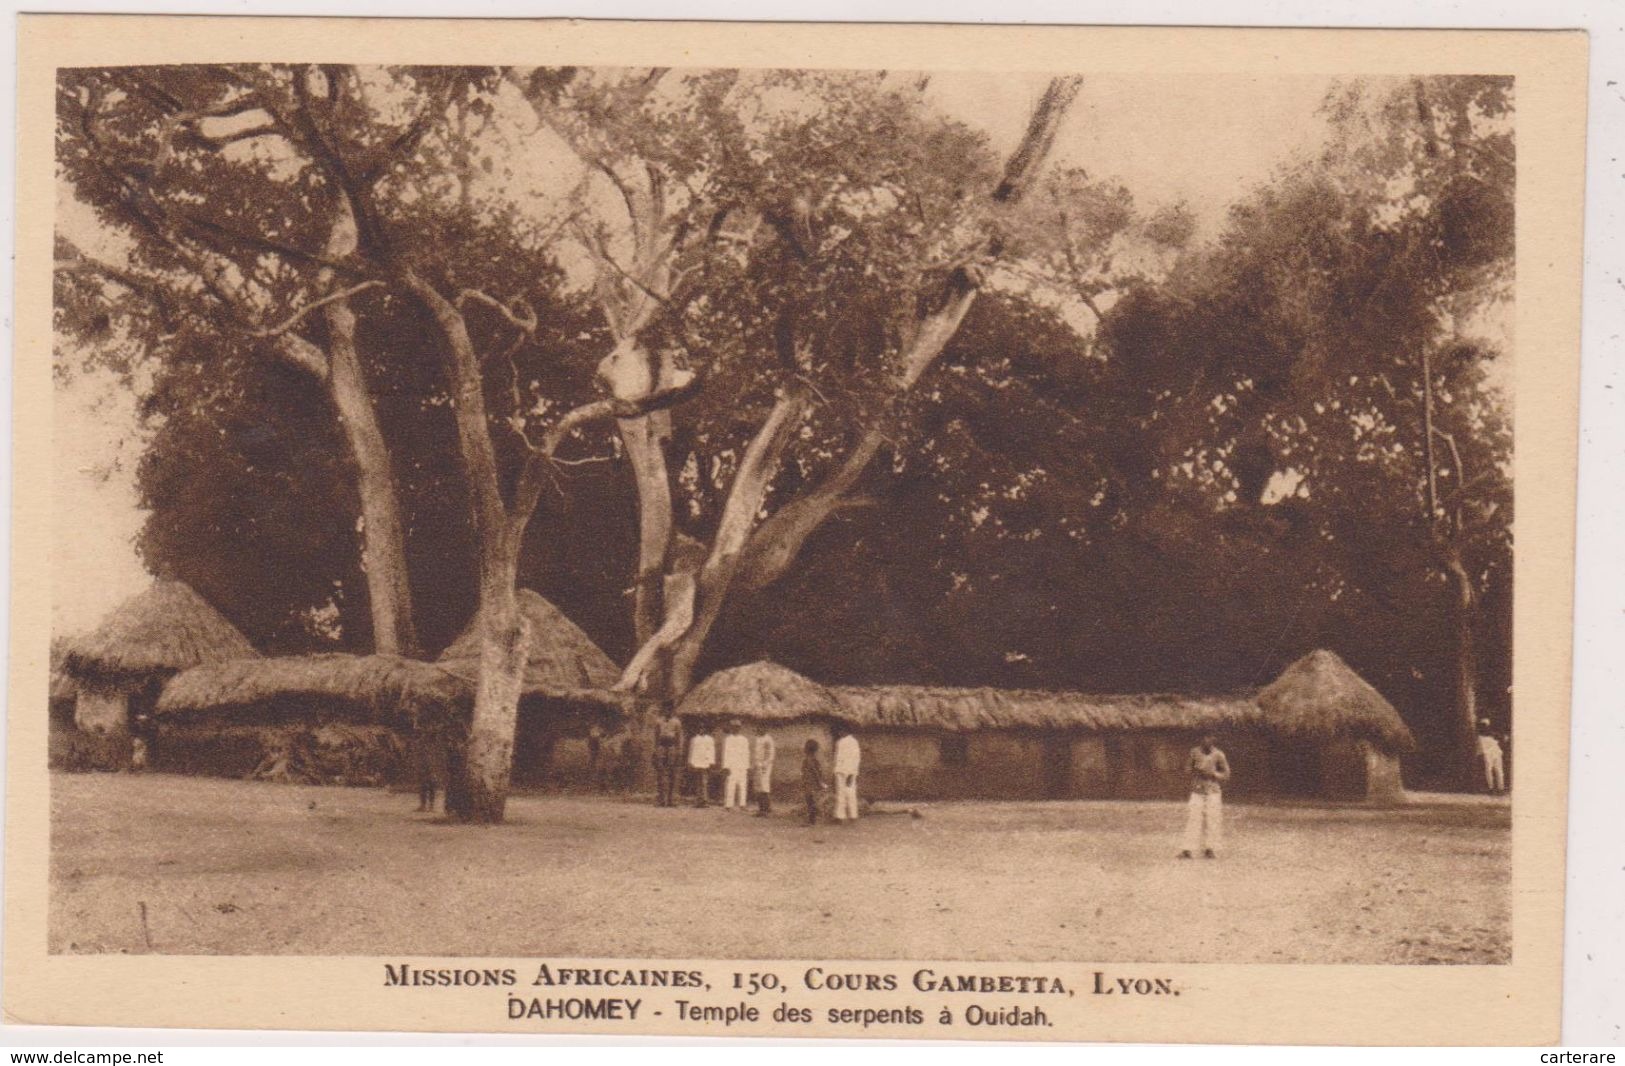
(736, 752)
(847, 755)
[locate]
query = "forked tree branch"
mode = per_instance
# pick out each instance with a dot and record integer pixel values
(294, 319)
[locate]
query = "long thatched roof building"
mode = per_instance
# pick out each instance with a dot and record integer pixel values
(966, 710)
(1318, 729)
(564, 665)
(385, 688)
(163, 630)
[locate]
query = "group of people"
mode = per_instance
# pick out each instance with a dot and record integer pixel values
(743, 768)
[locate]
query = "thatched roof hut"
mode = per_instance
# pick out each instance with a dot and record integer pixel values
(965, 710)
(564, 661)
(760, 691)
(166, 629)
(385, 688)
(1320, 697)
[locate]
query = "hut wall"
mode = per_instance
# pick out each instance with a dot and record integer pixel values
(1357, 770)
(1138, 765)
(1384, 783)
(1151, 765)
(1091, 770)
(550, 746)
(97, 711)
(789, 738)
(922, 764)
(1031, 764)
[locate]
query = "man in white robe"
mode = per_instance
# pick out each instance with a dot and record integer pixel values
(847, 757)
(736, 767)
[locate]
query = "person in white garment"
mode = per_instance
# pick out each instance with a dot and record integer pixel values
(1204, 820)
(702, 756)
(1490, 758)
(847, 757)
(762, 753)
(735, 767)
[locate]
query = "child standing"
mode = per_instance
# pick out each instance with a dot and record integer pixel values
(812, 779)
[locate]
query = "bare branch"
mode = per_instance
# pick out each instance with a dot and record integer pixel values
(195, 135)
(1022, 166)
(600, 252)
(615, 407)
(529, 488)
(520, 314)
(294, 319)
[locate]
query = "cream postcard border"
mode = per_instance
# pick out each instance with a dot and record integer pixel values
(1514, 1003)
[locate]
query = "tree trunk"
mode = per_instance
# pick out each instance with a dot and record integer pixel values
(643, 438)
(1466, 716)
(383, 541)
(678, 646)
(504, 649)
(504, 642)
(383, 537)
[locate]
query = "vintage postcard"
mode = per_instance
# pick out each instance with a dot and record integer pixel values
(928, 532)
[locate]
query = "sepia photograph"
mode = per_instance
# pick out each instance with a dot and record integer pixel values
(844, 511)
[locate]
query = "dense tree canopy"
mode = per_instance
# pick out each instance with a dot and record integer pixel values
(1044, 437)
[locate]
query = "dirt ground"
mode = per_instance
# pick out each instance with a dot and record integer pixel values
(229, 867)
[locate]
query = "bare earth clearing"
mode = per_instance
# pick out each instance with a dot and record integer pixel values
(228, 867)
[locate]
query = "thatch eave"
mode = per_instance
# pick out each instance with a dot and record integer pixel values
(163, 630)
(964, 710)
(384, 689)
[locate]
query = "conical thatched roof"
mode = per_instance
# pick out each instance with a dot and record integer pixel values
(563, 659)
(964, 710)
(384, 687)
(165, 629)
(760, 691)
(1320, 696)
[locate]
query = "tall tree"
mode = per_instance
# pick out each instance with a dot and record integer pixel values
(221, 222)
(856, 235)
(1330, 361)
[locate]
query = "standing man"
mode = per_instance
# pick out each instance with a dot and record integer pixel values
(1205, 820)
(762, 752)
(595, 757)
(668, 756)
(1491, 758)
(847, 757)
(702, 756)
(736, 767)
